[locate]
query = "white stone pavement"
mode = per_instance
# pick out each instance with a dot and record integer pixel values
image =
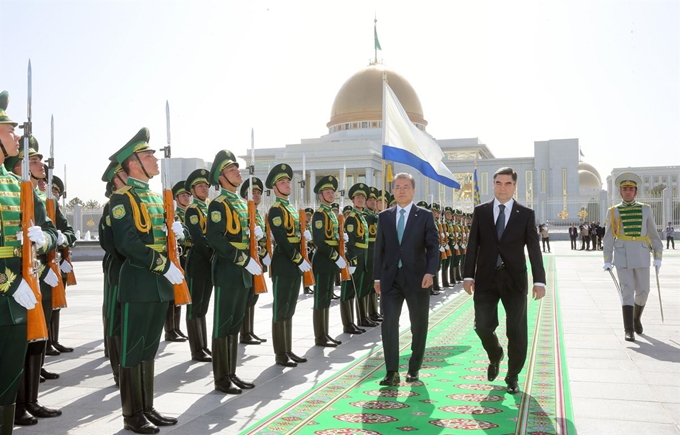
(617, 387)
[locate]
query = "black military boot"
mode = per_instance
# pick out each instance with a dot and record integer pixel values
(362, 312)
(132, 400)
(114, 357)
(21, 416)
(289, 343)
(279, 342)
(445, 278)
(220, 363)
(32, 386)
(436, 282)
(169, 326)
(628, 322)
(106, 329)
(247, 333)
(251, 319)
(177, 319)
(54, 333)
(232, 354)
(320, 332)
(325, 314)
(6, 419)
(147, 397)
(347, 316)
(373, 312)
(204, 335)
(196, 344)
(637, 313)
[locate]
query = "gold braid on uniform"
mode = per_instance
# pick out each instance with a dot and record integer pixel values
(233, 222)
(143, 222)
(327, 227)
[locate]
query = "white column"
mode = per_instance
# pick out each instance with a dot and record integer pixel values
(379, 181)
(311, 182)
(369, 177)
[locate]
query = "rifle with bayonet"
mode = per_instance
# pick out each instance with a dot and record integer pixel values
(36, 325)
(259, 284)
(58, 291)
(182, 295)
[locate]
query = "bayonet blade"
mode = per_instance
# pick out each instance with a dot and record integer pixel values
(52, 140)
(30, 89)
(167, 126)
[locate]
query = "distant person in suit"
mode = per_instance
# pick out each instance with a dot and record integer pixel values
(495, 269)
(573, 235)
(405, 262)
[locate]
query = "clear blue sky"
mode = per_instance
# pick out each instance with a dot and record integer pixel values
(510, 73)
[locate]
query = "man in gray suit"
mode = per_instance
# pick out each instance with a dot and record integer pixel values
(631, 233)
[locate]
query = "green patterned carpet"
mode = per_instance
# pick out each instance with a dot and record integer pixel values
(453, 395)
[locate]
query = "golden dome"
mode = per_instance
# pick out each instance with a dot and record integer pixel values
(588, 180)
(590, 168)
(360, 98)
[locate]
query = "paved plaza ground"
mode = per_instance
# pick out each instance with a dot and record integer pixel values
(617, 387)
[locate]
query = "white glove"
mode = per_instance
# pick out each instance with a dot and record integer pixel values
(267, 260)
(442, 249)
(446, 234)
(607, 266)
(308, 235)
(462, 246)
(340, 262)
(35, 234)
(345, 237)
(24, 295)
(65, 266)
(253, 267)
(657, 264)
(51, 278)
(352, 269)
(178, 229)
(258, 233)
(60, 238)
(305, 266)
(174, 275)
(455, 246)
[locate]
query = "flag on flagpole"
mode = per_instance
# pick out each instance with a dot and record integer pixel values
(476, 197)
(403, 142)
(390, 175)
(375, 35)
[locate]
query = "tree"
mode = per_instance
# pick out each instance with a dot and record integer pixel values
(73, 202)
(92, 204)
(657, 190)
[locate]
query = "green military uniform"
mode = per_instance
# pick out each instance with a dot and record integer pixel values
(356, 230)
(113, 261)
(310, 243)
(197, 268)
(173, 316)
(139, 234)
(226, 233)
(437, 223)
(425, 205)
(247, 327)
(368, 303)
(447, 226)
(284, 223)
(326, 239)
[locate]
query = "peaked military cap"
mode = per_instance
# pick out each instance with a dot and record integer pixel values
(359, 189)
(373, 192)
(111, 171)
(109, 189)
(383, 195)
(139, 143)
(393, 200)
(278, 172)
(4, 102)
(458, 212)
(423, 204)
(197, 176)
(257, 185)
(178, 188)
(11, 162)
(56, 182)
(335, 206)
(327, 182)
(309, 210)
(436, 206)
(628, 179)
(223, 159)
(347, 208)
(448, 209)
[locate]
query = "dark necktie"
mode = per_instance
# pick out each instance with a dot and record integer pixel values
(400, 227)
(500, 226)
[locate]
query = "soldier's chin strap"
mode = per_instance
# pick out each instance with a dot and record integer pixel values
(117, 175)
(235, 186)
(4, 151)
(142, 165)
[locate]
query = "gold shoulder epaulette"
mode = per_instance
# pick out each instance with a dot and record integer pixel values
(192, 205)
(122, 190)
(220, 198)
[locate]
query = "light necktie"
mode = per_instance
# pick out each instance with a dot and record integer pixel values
(400, 227)
(500, 226)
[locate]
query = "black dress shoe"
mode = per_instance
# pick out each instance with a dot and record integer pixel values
(241, 383)
(62, 348)
(367, 322)
(353, 329)
(434, 292)
(325, 342)
(261, 340)
(412, 376)
(48, 375)
(513, 387)
(24, 418)
(138, 423)
(308, 291)
(174, 336)
(51, 351)
(335, 296)
(492, 370)
(159, 420)
(391, 379)
(41, 411)
(333, 340)
(42, 379)
(297, 359)
(201, 356)
(249, 339)
(284, 360)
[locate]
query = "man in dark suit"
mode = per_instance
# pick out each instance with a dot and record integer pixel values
(406, 256)
(495, 267)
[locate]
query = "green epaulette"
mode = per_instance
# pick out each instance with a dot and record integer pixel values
(221, 198)
(122, 190)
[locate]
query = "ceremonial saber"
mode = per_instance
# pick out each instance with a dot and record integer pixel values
(616, 283)
(658, 287)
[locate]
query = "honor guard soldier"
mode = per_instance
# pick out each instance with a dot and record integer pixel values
(449, 231)
(335, 207)
(425, 205)
(233, 269)
(371, 217)
(197, 269)
(629, 238)
(310, 243)
(327, 261)
(436, 213)
(65, 265)
(106, 261)
(356, 230)
(34, 373)
(115, 179)
(393, 200)
(287, 264)
(247, 327)
(146, 280)
(16, 296)
(173, 318)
